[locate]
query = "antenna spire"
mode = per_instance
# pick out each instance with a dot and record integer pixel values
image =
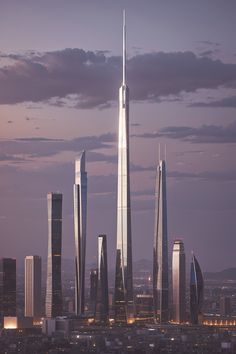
(124, 49)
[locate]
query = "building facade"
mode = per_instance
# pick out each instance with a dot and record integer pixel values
(80, 220)
(54, 285)
(33, 292)
(102, 301)
(160, 250)
(7, 287)
(178, 282)
(123, 297)
(196, 292)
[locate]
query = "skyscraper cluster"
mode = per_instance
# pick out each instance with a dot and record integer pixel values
(124, 306)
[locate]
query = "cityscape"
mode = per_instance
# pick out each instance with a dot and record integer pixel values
(108, 299)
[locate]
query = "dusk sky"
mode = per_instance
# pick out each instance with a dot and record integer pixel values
(60, 72)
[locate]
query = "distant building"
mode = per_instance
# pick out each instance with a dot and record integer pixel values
(225, 306)
(160, 250)
(80, 219)
(196, 292)
(93, 289)
(54, 286)
(178, 282)
(33, 286)
(7, 287)
(102, 301)
(144, 306)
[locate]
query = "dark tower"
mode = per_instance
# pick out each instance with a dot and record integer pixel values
(7, 287)
(102, 301)
(196, 291)
(54, 286)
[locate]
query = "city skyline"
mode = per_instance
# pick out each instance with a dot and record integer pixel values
(181, 85)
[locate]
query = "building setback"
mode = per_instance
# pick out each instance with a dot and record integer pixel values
(123, 297)
(178, 282)
(54, 286)
(102, 301)
(33, 286)
(7, 287)
(80, 219)
(160, 250)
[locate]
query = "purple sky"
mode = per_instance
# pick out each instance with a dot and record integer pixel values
(60, 71)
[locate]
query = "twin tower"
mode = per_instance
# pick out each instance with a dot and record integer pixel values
(123, 295)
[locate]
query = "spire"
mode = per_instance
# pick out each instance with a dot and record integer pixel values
(124, 49)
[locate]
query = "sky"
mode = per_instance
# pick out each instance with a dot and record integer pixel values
(60, 72)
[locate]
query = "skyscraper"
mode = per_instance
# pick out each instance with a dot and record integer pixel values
(54, 286)
(7, 287)
(178, 282)
(102, 301)
(124, 310)
(93, 289)
(80, 217)
(33, 286)
(196, 291)
(160, 251)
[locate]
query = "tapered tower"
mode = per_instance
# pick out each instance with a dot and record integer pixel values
(80, 217)
(160, 254)
(124, 310)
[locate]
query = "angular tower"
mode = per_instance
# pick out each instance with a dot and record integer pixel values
(178, 282)
(54, 285)
(196, 291)
(160, 251)
(124, 310)
(80, 217)
(102, 301)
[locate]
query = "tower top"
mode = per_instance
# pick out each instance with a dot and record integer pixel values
(124, 49)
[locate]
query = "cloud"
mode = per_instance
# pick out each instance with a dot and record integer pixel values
(209, 53)
(42, 147)
(210, 43)
(220, 176)
(10, 158)
(228, 102)
(90, 79)
(203, 134)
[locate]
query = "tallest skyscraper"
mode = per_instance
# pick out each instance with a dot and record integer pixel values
(124, 278)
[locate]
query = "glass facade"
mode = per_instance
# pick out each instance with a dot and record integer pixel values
(178, 282)
(196, 291)
(54, 286)
(160, 250)
(80, 220)
(124, 306)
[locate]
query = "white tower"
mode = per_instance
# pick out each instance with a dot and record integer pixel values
(124, 278)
